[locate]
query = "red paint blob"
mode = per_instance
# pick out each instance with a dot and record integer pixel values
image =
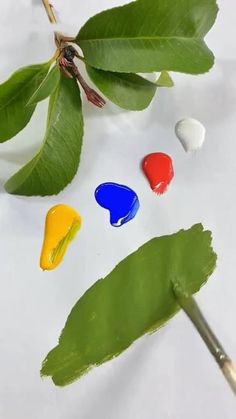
(159, 170)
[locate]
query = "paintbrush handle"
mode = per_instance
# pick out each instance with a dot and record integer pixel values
(229, 371)
(193, 311)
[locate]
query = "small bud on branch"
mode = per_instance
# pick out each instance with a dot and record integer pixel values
(66, 57)
(69, 69)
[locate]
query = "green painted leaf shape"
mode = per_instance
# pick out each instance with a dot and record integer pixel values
(57, 162)
(129, 91)
(14, 95)
(47, 87)
(164, 80)
(134, 299)
(150, 35)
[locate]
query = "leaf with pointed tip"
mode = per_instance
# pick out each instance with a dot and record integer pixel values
(129, 91)
(14, 95)
(47, 87)
(57, 162)
(164, 80)
(146, 35)
(135, 298)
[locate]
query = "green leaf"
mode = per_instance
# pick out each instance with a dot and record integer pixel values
(129, 91)
(150, 35)
(14, 94)
(57, 162)
(165, 80)
(135, 298)
(47, 87)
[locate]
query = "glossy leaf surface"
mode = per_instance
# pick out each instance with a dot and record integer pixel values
(47, 87)
(129, 91)
(14, 95)
(57, 162)
(148, 35)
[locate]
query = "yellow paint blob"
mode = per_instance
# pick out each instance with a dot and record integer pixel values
(61, 226)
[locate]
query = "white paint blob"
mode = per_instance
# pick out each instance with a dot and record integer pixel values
(191, 134)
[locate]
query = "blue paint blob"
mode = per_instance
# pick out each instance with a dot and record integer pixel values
(121, 201)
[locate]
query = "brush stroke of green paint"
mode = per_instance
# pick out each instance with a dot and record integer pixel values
(134, 299)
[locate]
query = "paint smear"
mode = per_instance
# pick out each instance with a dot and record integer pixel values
(191, 134)
(158, 168)
(121, 201)
(61, 226)
(134, 299)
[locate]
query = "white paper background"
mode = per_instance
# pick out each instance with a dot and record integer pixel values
(168, 375)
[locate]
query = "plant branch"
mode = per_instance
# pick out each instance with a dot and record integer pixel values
(66, 54)
(193, 311)
(49, 10)
(60, 39)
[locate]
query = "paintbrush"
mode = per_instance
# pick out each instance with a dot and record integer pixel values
(191, 308)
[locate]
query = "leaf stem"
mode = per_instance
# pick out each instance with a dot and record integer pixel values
(194, 313)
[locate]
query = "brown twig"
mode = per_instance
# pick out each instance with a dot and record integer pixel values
(60, 39)
(49, 10)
